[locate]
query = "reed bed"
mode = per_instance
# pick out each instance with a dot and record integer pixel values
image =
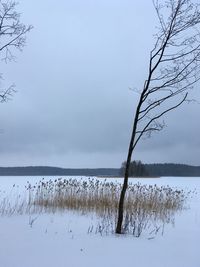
(13, 202)
(146, 206)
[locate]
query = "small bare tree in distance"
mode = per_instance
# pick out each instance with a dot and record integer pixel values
(173, 69)
(12, 36)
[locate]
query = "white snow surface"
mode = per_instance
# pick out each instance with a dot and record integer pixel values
(62, 239)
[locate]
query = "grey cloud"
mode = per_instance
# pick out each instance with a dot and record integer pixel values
(73, 107)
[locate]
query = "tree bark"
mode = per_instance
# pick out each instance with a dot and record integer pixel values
(126, 174)
(123, 192)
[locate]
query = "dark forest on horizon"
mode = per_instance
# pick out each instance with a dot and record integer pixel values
(144, 170)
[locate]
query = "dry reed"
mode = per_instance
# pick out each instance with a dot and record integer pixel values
(146, 206)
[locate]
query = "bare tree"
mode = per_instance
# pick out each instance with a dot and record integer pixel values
(12, 37)
(173, 70)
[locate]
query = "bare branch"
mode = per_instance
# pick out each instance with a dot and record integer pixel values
(146, 128)
(7, 94)
(12, 37)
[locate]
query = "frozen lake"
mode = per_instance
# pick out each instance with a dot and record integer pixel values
(62, 239)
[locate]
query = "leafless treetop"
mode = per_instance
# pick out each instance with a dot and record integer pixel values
(173, 65)
(12, 36)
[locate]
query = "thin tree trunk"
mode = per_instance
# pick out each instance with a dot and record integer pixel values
(123, 192)
(126, 174)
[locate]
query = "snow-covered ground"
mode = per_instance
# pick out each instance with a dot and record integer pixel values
(62, 239)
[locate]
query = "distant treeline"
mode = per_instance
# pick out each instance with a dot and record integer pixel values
(170, 169)
(138, 169)
(55, 171)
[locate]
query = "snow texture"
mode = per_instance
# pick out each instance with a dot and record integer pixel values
(62, 239)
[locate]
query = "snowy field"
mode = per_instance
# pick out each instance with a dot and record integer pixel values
(62, 239)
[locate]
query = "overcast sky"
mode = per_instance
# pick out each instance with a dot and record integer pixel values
(74, 107)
